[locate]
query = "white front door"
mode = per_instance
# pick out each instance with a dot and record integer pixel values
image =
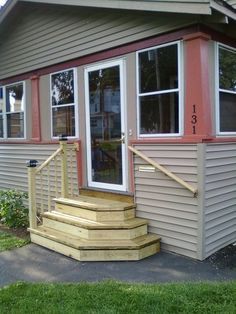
(106, 162)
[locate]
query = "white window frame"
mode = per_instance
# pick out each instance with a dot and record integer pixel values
(179, 90)
(75, 104)
(5, 113)
(218, 89)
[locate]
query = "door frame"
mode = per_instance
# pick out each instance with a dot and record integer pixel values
(107, 186)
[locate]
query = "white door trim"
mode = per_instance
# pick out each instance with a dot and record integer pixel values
(91, 183)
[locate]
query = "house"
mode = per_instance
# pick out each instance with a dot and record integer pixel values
(147, 90)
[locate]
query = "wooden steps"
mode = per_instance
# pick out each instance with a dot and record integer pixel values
(92, 229)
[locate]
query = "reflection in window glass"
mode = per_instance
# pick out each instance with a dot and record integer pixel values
(1, 99)
(105, 125)
(1, 111)
(15, 125)
(159, 113)
(158, 69)
(63, 121)
(227, 112)
(62, 88)
(227, 90)
(63, 103)
(12, 111)
(227, 69)
(14, 98)
(159, 91)
(1, 126)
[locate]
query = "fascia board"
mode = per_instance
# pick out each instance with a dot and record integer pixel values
(184, 6)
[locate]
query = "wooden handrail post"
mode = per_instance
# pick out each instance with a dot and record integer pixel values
(32, 164)
(64, 174)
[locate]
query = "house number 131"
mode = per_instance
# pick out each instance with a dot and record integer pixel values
(194, 119)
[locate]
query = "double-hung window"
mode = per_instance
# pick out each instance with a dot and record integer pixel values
(12, 111)
(159, 101)
(63, 103)
(226, 90)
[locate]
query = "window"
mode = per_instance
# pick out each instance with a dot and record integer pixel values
(159, 91)
(63, 103)
(12, 107)
(226, 90)
(1, 113)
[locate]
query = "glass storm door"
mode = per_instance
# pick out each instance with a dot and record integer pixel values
(105, 126)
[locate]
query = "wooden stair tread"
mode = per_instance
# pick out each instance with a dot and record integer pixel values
(89, 224)
(95, 204)
(84, 244)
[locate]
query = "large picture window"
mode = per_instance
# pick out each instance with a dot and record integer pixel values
(12, 111)
(63, 103)
(226, 90)
(159, 91)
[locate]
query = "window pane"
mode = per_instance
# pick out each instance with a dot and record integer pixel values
(14, 98)
(62, 88)
(159, 114)
(227, 112)
(158, 69)
(1, 99)
(227, 70)
(15, 125)
(1, 125)
(63, 121)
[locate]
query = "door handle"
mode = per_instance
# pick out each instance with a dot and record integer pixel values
(122, 139)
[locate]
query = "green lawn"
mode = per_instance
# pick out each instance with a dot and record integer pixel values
(8, 242)
(114, 297)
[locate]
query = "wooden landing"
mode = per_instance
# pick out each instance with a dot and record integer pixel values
(92, 229)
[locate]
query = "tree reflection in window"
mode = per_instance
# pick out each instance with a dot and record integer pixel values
(1, 112)
(227, 89)
(62, 88)
(159, 90)
(63, 103)
(227, 69)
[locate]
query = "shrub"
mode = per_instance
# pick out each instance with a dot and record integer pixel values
(13, 212)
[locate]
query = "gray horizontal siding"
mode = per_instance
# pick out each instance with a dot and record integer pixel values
(171, 210)
(45, 35)
(220, 196)
(13, 170)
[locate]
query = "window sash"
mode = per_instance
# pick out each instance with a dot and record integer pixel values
(6, 114)
(66, 105)
(219, 90)
(160, 92)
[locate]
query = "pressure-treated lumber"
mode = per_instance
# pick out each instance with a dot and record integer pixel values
(95, 209)
(87, 229)
(96, 250)
(164, 170)
(94, 229)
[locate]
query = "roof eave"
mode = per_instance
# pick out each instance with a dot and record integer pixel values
(6, 9)
(226, 10)
(154, 6)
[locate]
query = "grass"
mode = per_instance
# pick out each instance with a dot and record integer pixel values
(8, 241)
(115, 297)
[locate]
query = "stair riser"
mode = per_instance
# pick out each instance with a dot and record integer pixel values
(55, 246)
(96, 215)
(95, 234)
(96, 255)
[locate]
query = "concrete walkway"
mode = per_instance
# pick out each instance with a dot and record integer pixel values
(36, 264)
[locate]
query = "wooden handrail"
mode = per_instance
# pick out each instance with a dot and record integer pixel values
(45, 163)
(164, 170)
